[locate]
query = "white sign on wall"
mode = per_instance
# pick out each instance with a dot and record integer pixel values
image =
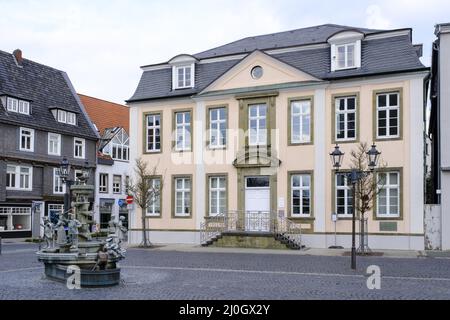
(281, 202)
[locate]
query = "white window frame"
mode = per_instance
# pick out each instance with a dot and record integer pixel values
(345, 112)
(153, 128)
(299, 116)
(257, 132)
(212, 212)
(301, 188)
(216, 132)
(121, 141)
(71, 118)
(12, 104)
(175, 76)
(18, 175)
(58, 186)
(182, 130)
(155, 206)
(76, 173)
(30, 137)
(388, 187)
(103, 186)
(24, 107)
(346, 41)
(78, 147)
(117, 187)
(388, 108)
(62, 116)
(347, 194)
(50, 136)
(183, 191)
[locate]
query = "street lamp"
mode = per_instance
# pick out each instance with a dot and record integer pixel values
(337, 156)
(64, 173)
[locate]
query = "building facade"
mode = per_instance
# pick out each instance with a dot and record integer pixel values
(247, 128)
(41, 122)
(113, 159)
(439, 132)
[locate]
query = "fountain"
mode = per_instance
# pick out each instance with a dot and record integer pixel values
(69, 244)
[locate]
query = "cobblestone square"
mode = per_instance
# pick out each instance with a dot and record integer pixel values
(159, 274)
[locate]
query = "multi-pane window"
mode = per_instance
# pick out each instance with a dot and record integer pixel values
(11, 177)
(345, 111)
(388, 115)
(62, 116)
(16, 105)
(345, 56)
(217, 195)
(58, 185)
(388, 198)
(183, 131)
(184, 77)
(154, 208)
(182, 197)
(65, 116)
(218, 127)
(119, 147)
(153, 133)
(103, 183)
(301, 195)
(117, 184)
(54, 144)
(343, 195)
(19, 177)
(79, 148)
(71, 118)
(12, 104)
(26, 139)
(301, 121)
(257, 124)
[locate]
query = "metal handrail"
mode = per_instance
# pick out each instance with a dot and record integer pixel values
(256, 221)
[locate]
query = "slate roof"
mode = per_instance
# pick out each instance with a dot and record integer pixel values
(46, 88)
(298, 37)
(385, 55)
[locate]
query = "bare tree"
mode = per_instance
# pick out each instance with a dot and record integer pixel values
(367, 189)
(144, 192)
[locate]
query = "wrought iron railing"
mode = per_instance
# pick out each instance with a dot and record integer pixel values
(251, 221)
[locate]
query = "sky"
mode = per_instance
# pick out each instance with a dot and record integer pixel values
(101, 44)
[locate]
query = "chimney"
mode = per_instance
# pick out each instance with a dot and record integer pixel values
(18, 56)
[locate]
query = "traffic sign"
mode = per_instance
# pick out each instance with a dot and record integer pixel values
(121, 202)
(130, 200)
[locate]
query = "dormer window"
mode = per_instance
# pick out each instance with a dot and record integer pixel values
(184, 77)
(183, 71)
(63, 116)
(345, 50)
(18, 106)
(345, 56)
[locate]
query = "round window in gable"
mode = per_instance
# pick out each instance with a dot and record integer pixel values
(257, 72)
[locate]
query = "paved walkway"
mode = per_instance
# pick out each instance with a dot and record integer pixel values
(189, 272)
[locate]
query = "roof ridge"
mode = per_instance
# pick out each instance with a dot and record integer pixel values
(291, 30)
(33, 62)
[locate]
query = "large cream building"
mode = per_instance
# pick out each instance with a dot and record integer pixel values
(247, 128)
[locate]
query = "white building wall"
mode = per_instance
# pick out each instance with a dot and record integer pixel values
(444, 75)
(119, 168)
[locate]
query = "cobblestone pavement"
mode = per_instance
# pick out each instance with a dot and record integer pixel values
(157, 274)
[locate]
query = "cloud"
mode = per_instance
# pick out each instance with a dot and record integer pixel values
(375, 18)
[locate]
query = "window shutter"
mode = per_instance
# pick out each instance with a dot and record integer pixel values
(333, 57)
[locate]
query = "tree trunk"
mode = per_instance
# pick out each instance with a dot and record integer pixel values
(145, 242)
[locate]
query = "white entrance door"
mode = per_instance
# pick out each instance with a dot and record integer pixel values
(257, 204)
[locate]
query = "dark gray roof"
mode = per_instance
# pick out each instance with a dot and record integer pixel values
(385, 55)
(298, 37)
(46, 88)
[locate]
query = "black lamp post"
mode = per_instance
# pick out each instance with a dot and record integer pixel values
(64, 173)
(354, 176)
